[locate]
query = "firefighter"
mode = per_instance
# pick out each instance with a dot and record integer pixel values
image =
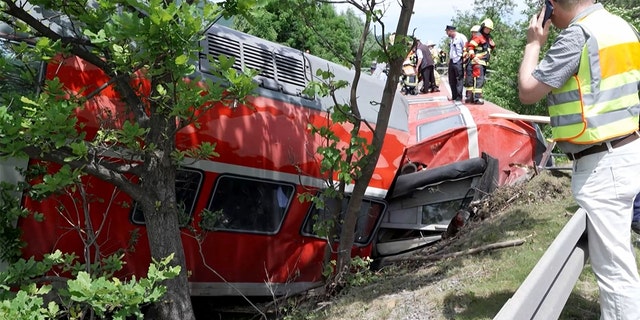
(468, 70)
(479, 51)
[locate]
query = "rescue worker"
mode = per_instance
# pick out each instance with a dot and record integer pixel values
(442, 57)
(424, 66)
(468, 70)
(479, 51)
(435, 83)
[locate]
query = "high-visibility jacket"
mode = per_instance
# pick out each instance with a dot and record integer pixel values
(600, 102)
(480, 47)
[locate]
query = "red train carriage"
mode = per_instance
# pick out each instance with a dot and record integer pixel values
(456, 153)
(261, 242)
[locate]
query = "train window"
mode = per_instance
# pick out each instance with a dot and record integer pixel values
(370, 213)
(443, 212)
(433, 128)
(434, 112)
(188, 182)
(20, 74)
(248, 205)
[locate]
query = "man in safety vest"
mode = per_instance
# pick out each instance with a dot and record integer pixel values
(478, 51)
(591, 74)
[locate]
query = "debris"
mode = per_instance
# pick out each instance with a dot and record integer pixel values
(435, 257)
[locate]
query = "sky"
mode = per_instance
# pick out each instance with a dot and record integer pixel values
(430, 17)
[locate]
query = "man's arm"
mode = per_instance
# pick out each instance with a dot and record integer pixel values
(419, 57)
(530, 89)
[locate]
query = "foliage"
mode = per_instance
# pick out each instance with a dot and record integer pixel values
(353, 161)
(627, 9)
(10, 242)
(360, 274)
(106, 298)
(334, 154)
(315, 27)
(340, 163)
(142, 52)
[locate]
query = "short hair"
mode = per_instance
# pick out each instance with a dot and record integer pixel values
(449, 27)
(567, 4)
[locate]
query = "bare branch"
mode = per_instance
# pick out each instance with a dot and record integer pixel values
(78, 48)
(111, 172)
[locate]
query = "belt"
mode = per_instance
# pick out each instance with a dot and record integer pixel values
(603, 147)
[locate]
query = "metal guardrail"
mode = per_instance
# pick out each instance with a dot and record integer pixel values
(546, 289)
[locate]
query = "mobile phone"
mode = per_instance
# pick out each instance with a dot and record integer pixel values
(547, 12)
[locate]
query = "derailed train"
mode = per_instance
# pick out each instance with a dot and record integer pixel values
(265, 244)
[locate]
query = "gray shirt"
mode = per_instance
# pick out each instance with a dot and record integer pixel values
(562, 61)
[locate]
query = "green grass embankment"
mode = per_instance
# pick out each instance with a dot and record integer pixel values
(472, 286)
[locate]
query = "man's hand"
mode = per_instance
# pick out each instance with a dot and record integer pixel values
(530, 89)
(537, 34)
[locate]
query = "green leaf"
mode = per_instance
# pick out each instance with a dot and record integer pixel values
(29, 101)
(181, 59)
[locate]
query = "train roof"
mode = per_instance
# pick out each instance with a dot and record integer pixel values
(284, 72)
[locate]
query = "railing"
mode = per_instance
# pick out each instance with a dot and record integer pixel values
(546, 289)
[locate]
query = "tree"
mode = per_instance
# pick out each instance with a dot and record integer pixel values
(494, 9)
(357, 161)
(315, 27)
(627, 9)
(150, 40)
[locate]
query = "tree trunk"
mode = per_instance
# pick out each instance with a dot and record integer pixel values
(164, 239)
(162, 214)
(347, 236)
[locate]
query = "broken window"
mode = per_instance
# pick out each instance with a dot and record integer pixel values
(188, 182)
(370, 213)
(248, 205)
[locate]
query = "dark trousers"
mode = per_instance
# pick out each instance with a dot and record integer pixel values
(474, 80)
(456, 77)
(428, 78)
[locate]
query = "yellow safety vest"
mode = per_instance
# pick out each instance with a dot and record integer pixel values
(600, 102)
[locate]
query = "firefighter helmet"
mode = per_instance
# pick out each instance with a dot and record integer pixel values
(487, 23)
(475, 28)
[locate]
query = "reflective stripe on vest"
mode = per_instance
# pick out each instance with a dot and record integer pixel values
(601, 101)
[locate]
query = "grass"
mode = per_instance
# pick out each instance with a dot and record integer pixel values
(472, 286)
